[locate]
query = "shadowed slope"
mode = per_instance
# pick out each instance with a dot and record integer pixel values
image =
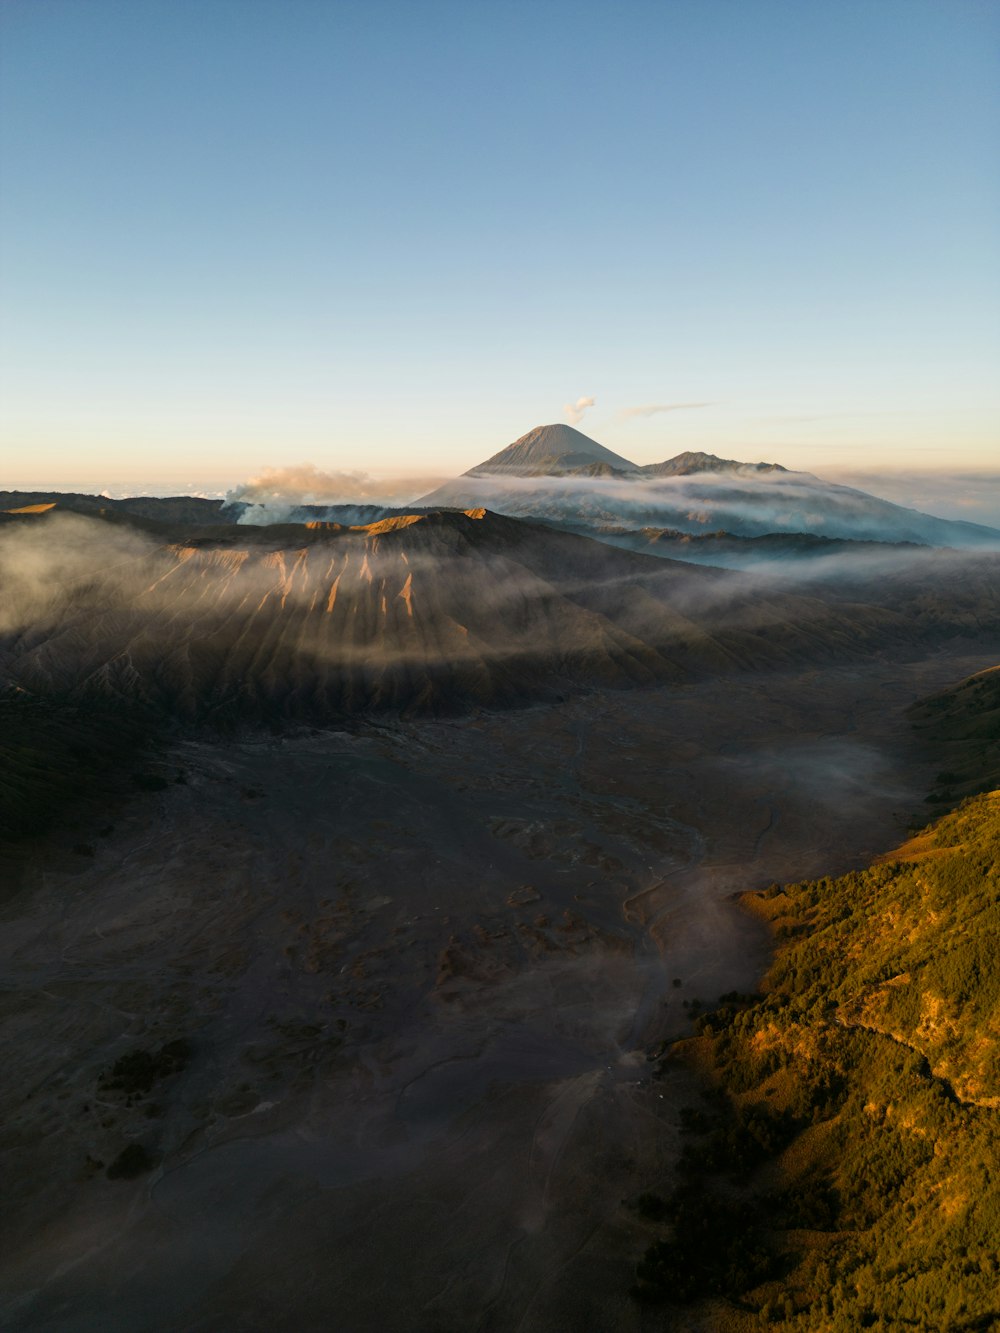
(962, 726)
(169, 508)
(55, 755)
(427, 612)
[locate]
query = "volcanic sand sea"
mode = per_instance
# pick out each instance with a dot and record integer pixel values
(421, 967)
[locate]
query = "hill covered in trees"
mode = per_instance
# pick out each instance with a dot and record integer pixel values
(842, 1172)
(962, 726)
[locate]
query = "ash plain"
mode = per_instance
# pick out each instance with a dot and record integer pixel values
(424, 970)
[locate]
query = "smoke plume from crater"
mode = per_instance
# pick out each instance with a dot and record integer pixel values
(305, 483)
(574, 411)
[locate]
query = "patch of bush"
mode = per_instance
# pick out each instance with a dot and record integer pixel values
(136, 1072)
(133, 1161)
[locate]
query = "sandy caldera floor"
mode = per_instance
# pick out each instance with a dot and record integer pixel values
(419, 970)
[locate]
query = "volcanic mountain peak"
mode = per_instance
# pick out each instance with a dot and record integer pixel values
(689, 463)
(551, 450)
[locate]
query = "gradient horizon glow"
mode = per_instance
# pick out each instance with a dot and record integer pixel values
(394, 237)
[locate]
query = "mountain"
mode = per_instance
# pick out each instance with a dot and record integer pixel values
(556, 475)
(182, 513)
(689, 464)
(550, 451)
(169, 508)
(559, 451)
(424, 612)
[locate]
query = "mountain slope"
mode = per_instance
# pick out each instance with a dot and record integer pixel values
(858, 1097)
(962, 727)
(744, 505)
(731, 552)
(55, 755)
(429, 612)
(550, 450)
(166, 509)
(688, 464)
(557, 475)
(858, 1128)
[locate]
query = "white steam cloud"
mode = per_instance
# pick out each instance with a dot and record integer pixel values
(574, 411)
(304, 483)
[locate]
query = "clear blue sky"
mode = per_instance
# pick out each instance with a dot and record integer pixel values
(394, 236)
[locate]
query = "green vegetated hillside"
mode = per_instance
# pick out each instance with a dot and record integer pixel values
(844, 1171)
(962, 726)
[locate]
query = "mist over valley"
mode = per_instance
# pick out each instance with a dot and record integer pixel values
(364, 866)
(462, 875)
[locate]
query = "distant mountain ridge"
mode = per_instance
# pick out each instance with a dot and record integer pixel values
(557, 450)
(556, 474)
(169, 508)
(688, 464)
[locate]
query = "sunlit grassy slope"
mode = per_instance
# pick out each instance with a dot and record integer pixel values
(962, 725)
(844, 1171)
